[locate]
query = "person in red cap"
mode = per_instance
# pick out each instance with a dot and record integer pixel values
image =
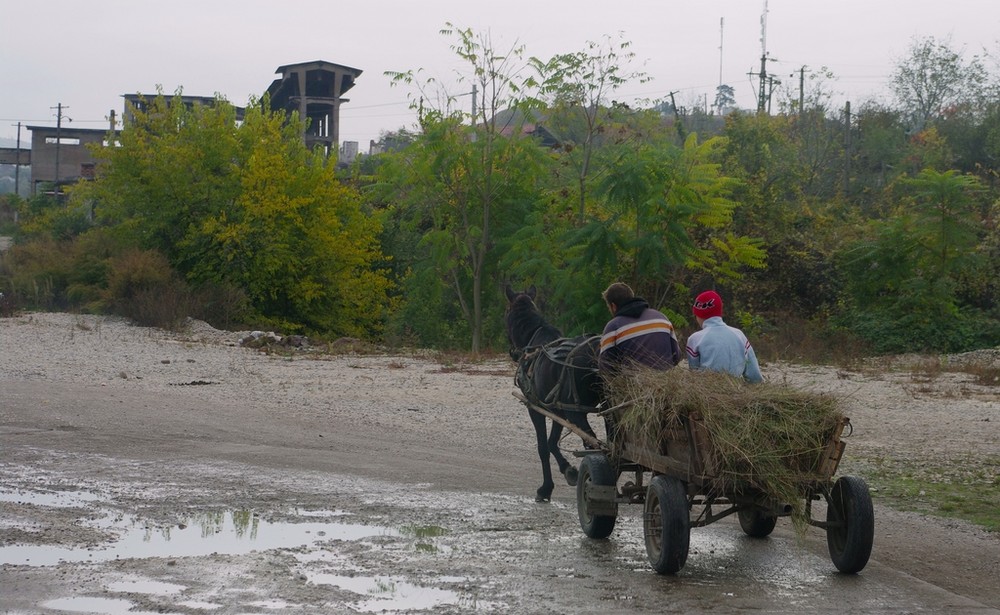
(717, 346)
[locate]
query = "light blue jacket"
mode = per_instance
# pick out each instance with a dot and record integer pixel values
(722, 348)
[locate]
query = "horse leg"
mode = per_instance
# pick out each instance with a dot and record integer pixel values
(579, 420)
(544, 493)
(567, 470)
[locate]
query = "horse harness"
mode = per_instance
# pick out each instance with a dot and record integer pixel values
(556, 351)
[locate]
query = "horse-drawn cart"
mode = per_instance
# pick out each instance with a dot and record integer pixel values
(676, 477)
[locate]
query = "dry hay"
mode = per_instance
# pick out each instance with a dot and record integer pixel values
(766, 437)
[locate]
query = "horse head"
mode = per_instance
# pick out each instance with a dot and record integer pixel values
(524, 323)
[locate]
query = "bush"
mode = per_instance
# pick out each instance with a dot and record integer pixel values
(900, 332)
(36, 274)
(7, 306)
(142, 286)
(223, 306)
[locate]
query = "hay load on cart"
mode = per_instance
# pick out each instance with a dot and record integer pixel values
(711, 446)
(765, 438)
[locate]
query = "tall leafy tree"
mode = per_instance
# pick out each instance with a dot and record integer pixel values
(577, 88)
(934, 78)
(245, 205)
(175, 165)
(466, 180)
(904, 278)
(667, 217)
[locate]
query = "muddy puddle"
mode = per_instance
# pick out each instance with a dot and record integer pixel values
(317, 540)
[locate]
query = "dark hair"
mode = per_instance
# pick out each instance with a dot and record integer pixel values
(618, 293)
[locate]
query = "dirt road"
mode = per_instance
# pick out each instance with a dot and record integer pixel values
(147, 472)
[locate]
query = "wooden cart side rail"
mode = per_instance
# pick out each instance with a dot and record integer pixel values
(662, 464)
(586, 437)
(700, 441)
(834, 451)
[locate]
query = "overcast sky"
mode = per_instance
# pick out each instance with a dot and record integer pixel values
(85, 55)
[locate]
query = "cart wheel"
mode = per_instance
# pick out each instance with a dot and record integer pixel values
(757, 524)
(667, 524)
(596, 470)
(851, 520)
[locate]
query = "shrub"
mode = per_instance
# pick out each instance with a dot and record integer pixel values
(36, 274)
(7, 306)
(223, 306)
(143, 287)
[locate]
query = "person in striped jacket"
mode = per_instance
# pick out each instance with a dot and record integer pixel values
(717, 346)
(636, 334)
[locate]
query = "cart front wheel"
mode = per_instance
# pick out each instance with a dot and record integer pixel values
(851, 524)
(594, 496)
(667, 524)
(757, 524)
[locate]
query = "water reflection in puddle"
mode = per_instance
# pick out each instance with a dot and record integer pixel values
(144, 586)
(389, 594)
(423, 536)
(84, 604)
(223, 533)
(55, 499)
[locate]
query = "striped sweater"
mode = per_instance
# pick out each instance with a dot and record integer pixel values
(638, 334)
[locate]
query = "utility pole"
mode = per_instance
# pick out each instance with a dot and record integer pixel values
(762, 94)
(847, 147)
(59, 116)
(17, 168)
(802, 89)
(677, 118)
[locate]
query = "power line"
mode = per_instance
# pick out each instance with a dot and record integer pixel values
(49, 119)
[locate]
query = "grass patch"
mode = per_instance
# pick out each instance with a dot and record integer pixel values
(961, 488)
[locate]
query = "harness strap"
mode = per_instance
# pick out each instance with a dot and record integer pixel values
(554, 351)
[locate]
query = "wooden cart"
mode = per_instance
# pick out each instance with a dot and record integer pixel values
(675, 478)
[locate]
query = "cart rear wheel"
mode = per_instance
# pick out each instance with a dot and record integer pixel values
(851, 520)
(757, 524)
(597, 518)
(667, 524)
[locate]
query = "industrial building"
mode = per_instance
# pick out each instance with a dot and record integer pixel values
(59, 155)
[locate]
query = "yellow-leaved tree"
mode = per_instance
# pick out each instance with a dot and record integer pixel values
(295, 239)
(245, 205)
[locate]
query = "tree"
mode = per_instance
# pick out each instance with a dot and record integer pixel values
(245, 205)
(725, 98)
(667, 216)
(904, 279)
(462, 187)
(577, 87)
(933, 77)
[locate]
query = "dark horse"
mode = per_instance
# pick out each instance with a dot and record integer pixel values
(555, 373)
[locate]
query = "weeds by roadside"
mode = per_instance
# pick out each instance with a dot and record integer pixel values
(959, 488)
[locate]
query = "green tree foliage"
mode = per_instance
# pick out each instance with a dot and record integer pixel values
(904, 279)
(463, 188)
(576, 87)
(880, 149)
(667, 216)
(245, 205)
(725, 99)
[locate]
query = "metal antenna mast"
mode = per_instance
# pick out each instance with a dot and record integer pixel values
(763, 61)
(722, 26)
